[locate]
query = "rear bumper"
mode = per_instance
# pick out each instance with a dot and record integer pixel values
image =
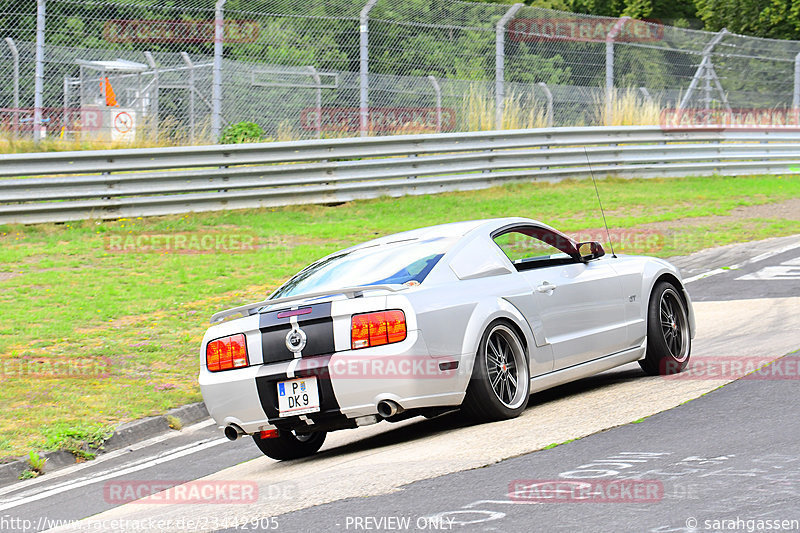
(351, 384)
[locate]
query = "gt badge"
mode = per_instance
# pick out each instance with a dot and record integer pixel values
(296, 340)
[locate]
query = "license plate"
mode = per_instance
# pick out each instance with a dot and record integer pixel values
(298, 396)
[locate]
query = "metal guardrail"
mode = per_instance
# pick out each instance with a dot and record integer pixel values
(64, 186)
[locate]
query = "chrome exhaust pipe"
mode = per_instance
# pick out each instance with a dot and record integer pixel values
(388, 408)
(232, 432)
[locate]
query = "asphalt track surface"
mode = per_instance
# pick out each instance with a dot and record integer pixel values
(420, 469)
(728, 458)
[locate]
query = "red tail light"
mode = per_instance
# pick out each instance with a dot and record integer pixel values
(227, 353)
(376, 329)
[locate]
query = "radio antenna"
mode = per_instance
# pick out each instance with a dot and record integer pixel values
(597, 192)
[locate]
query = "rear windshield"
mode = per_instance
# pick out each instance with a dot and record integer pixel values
(394, 263)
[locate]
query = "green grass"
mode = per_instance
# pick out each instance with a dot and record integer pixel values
(554, 444)
(129, 323)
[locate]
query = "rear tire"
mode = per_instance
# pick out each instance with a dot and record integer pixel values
(499, 387)
(669, 341)
(287, 445)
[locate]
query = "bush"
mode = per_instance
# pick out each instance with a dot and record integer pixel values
(242, 132)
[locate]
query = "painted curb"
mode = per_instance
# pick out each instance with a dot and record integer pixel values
(124, 435)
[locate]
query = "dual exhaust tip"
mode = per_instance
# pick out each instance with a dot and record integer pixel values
(389, 408)
(386, 408)
(233, 432)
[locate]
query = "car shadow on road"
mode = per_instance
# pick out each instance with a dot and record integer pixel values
(422, 428)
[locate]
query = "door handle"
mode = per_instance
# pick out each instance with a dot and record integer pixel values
(546, 287)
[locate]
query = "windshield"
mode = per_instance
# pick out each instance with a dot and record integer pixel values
(394, 263)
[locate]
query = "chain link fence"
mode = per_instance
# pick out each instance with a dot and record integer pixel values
(180, 73)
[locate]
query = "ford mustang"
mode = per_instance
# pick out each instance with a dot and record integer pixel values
(472, 315)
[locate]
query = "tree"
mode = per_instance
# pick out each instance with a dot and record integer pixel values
(778, 19)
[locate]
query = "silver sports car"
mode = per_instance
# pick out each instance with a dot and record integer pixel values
(472, 315)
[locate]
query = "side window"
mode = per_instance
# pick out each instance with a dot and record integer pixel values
(534, 247)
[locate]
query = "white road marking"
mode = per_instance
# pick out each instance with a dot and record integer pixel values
(777, 272)
(756, 259)
(50, 476)
(92, 479)
(787, 270)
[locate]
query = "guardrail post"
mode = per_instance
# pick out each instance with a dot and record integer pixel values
(612, 34)
(500, 64)
(363, 66)
(549, 96)
(15, 56)
(38, 81)
(190, 66)
(216, 81)
(438, 91)
(154, 99)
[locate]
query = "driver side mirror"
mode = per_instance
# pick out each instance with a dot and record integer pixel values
(590, 250)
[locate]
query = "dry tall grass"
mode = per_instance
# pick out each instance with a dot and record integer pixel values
(171, 133)
(475, 113)
(628, 107)
(478, 110)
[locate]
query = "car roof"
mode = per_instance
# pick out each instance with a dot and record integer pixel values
(451, 230)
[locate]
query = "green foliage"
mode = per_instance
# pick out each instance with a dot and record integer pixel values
(777, 19)
(665, 11)
(78, 440)
(36, 461)
(35, 466)
(174, 422)
(242, 132)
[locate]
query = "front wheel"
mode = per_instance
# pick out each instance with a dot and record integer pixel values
(668, 339)
(499, 387)
(288, 445)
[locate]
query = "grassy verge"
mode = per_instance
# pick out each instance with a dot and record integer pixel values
(98, 328)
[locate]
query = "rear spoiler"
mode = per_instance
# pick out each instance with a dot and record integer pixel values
(350, 292)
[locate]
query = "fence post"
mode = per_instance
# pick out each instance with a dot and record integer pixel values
(190, 66)
(549, 96)
(15, 55)
(612, 34)
(363, 67)
(646, 94)
(216, 82)
(796, 95)
(438, 91)
(703, 70)
(64, 120)
(500, 64)
(38, 81)
(154, 99)
(318, 100)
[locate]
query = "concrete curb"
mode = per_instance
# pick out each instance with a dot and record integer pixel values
(124, 435)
